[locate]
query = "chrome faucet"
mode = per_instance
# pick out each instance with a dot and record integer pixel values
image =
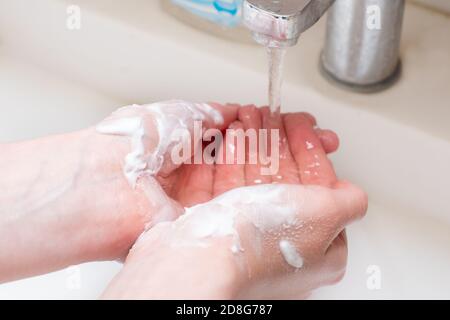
(279, 23)
(361, 49)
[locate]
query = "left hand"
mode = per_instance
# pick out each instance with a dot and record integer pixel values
(65, 200)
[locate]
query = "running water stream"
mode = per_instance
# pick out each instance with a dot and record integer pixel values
(276, 62)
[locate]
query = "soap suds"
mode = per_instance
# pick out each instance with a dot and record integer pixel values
(290, 254)
(266, 207)
(154, 131)
(309, 145)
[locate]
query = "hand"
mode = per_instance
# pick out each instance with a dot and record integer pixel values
(65, 199)
(192, 184)
(144, 138)
(267, 241)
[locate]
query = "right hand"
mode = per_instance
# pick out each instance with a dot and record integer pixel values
(318, 206)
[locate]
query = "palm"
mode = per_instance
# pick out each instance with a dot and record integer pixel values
(197, 183)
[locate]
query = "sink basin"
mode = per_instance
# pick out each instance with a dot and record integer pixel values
(395, 144)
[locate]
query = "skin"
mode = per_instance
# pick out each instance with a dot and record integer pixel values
(66, 201)
(156, 269)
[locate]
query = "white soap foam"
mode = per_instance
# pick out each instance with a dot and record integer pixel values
(149, 153)
(290, 254)
(309, 145)
(267, 207)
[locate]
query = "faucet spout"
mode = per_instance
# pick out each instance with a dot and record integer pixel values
(279, 23)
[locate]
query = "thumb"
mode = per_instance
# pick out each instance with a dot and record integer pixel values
(155, 130)
(185, 136)
(229, 113)
(351, 201)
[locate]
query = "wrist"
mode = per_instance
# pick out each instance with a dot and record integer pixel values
(110, 208)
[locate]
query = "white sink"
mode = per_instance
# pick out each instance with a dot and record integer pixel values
(395, 144)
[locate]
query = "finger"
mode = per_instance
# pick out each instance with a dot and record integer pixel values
(309, 117)
(229, 113)
(329, 139)
(250, 116)
(350, 201)
(214, 120)
(287, 172)
(306, 148)
(195, 184)
(229, 175)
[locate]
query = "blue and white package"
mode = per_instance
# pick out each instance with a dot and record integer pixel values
(226, 13)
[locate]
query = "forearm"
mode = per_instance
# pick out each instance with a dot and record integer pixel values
(53, 200)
